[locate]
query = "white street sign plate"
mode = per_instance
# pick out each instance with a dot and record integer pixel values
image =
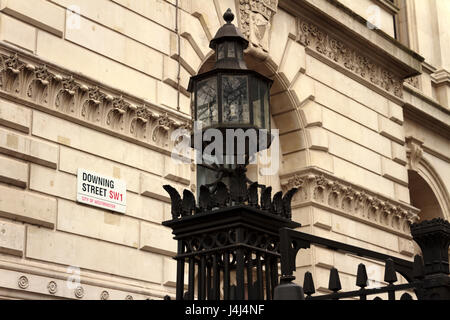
(101, 191)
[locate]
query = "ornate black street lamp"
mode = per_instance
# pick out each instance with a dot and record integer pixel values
(230, 96)
(228, 238)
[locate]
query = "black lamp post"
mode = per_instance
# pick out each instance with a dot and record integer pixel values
(228, 239)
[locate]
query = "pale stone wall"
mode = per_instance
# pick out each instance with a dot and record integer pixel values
(346, 126)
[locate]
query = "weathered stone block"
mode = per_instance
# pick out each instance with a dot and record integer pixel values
(364, 232)
(130, 24)
(288, 121)
(303, 89)
(170, 273)
(321, 219)
(362, 177)
(402, 193)
(152, 186)
(345, 106)
(394, 171)
(406, 247)
(157, 239)
(283, 24)
(95, 142)
(12, 238)
(159, 11)
(291, 142)
(13, 172)
(318, 138)
(294, 61)
(53, 182)
(120, 48)
(72, 250)
(312, 113)
(15, 116)
(398, 153)
(17, 33)
(70, 160)
(39, 13)
(323, 257)
(97, 224)
(100, 68)
(391, 130)
(395, 112)
(179, 172)
(354, 153)
(146, 208)
(27, 207)
(356, 132)
(345, 85)
(26, 148)
(322, 159)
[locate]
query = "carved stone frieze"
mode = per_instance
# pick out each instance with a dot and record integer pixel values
(312, 36)
(255, 22)
(23, 77)
(414, 81)
(329, 192)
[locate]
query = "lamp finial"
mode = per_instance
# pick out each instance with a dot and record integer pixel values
(228, 16)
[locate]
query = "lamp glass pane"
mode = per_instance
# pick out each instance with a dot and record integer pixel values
(220, 51)
(235, 99)
(207, 112)
(256, 103)
(231, 52)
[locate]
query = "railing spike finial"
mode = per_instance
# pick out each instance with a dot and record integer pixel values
(361, 276)
(175, 198)
(188, 204)
(406, 296)
(308, 284)
(266, 201)
(418, 267)
(335, 283)
(390, 276)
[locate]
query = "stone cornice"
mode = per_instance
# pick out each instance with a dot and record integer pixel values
(426, 111)
(391, 7)
(346, 26)
(31, 81)
(441, 77)
(321, 189)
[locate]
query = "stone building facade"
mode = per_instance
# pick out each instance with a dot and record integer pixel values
(361, 97)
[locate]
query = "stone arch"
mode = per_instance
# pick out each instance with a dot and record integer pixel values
(424, 179)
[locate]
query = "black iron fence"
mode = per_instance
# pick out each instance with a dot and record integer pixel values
(427, 276)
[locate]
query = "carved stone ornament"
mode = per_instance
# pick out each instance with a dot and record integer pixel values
(52, 287)
(415, 152)
(414, 81)
(45, 87)
(313, 37)
(23, 282)
(104, 295)
(79, 292)
(255, 22)
(328, 192)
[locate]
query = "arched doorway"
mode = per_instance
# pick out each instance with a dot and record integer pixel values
(423, 197)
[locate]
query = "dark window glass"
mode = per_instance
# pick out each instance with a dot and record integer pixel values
(235, 99)
(207, 111)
